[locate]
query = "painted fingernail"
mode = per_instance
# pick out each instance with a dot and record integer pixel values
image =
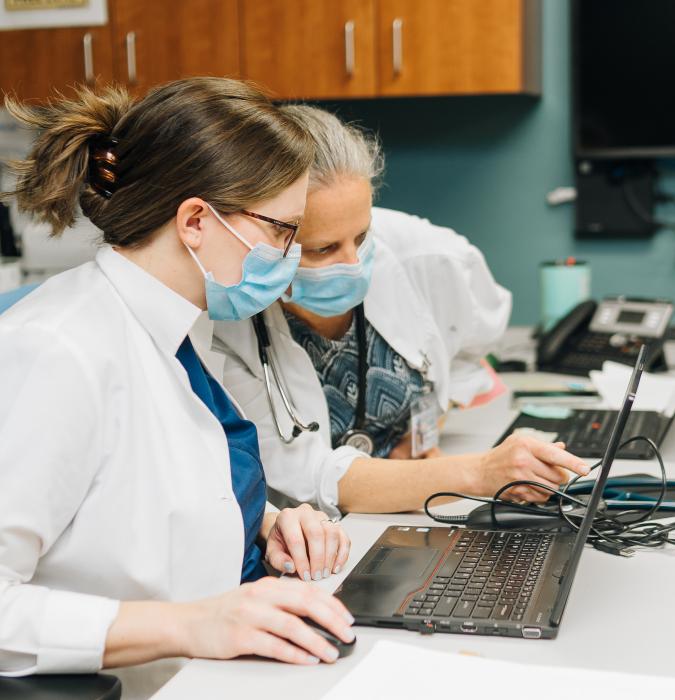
(332, 654)
(350, 635)
(288, 566)
(337, 569)
(306, 577)
(317, 576)
(326, 572)
(312, 659)
(349, 618)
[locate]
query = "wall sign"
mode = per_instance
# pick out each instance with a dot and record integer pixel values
(43, 14)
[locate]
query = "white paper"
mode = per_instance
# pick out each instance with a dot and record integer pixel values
(655, 393)
(402, 672)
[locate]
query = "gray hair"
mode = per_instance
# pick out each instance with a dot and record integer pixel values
(340, 149)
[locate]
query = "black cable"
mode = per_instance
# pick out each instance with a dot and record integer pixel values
(609, 533)
(363, 366)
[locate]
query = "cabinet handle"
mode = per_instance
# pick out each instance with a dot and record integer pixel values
(131, 58)
(87, 42)
(349, 48)
(397, 45)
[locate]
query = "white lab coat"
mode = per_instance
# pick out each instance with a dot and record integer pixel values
(432, 298)
(114, 476)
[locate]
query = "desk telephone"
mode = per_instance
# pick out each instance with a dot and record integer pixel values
(614, 330)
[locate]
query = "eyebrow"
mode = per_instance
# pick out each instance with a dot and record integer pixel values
(322, 244)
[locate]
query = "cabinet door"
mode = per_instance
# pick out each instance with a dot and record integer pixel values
(35, 62)
(310, 48)
(443, 47)
(156, 43)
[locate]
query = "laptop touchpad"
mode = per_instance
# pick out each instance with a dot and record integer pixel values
(400, 561)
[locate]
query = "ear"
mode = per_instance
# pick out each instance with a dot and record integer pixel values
(190, 221)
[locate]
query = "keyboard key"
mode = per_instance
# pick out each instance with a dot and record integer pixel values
(425, 611)
(445, 606)
(482, 612)
(454, 591)
(463, 608)
(502, 612)
(433, 599)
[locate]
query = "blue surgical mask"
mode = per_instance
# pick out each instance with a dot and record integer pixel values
(335, 289)
(266, 275)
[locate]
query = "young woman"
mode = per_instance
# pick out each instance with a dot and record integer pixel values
(132, 497)
(431, 310)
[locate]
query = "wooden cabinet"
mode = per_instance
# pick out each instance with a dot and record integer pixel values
(300, 48)
(143, 44)
(35, 61)
(309, 48)
(184, 37)
(446, 47)
(313, 49)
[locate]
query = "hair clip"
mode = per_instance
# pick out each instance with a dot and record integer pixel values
(103, 165)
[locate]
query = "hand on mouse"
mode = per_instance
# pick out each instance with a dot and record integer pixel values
(522, 458)
(306, 541)
(263, 618)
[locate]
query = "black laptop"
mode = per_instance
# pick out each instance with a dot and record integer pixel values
(501, 582)
(585, 431)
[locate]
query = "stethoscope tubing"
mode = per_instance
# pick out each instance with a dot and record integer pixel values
(270, 373)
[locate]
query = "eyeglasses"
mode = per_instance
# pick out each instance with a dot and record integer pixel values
(293, 228)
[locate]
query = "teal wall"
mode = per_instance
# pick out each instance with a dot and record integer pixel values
(483, 166)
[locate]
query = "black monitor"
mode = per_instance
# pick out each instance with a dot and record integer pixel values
(623, 63)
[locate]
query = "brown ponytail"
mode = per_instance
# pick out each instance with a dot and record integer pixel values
(50, 180)
(130, 165)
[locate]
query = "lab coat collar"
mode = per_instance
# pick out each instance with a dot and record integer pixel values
(165, 314)
(390, 288)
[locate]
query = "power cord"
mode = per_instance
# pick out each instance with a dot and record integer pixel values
(610, 533)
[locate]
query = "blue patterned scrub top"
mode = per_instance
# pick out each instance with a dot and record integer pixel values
(392, 384)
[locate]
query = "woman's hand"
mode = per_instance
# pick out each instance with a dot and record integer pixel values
(263, 618)
(521, 458)
(307, 541)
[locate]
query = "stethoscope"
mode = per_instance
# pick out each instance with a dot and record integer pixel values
(356, 437)
(269, 372)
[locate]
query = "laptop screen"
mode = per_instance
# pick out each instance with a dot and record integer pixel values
(596, 494)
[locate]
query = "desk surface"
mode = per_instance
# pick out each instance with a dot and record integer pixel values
(620, 615)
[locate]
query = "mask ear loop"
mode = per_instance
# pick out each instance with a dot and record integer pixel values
(228, 227)
(196, 259)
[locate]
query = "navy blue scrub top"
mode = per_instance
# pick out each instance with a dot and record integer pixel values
(248, 477)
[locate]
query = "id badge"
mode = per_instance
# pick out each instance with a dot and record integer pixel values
(424, 416)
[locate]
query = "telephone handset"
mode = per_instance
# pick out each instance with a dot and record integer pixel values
(614, 330)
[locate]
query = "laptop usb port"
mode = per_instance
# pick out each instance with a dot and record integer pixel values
(469, 627)
(532, 632)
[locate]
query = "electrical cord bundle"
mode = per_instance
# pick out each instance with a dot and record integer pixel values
(615, 534)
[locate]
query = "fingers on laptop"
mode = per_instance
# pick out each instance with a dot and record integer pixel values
(316, 544)
(554, 455)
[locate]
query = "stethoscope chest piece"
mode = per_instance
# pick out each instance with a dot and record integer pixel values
(359, 440)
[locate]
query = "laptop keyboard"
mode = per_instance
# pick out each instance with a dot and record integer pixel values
(587, 432)
(486, 575)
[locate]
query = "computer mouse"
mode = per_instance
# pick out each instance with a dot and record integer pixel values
(544, 517)
(344, 648)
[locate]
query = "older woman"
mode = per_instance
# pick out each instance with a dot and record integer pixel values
(383, 328)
